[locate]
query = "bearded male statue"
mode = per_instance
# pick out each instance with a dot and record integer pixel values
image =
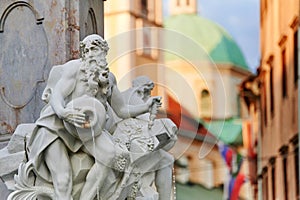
(79, 95)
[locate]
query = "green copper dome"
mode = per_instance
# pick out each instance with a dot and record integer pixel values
(219, 45)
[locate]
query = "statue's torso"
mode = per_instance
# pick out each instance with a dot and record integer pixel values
(83, 87)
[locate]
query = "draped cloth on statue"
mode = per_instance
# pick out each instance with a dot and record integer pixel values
(49, 128)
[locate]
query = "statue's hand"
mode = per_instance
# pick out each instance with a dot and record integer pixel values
(73, 116)
(154, 100)
(154, 103)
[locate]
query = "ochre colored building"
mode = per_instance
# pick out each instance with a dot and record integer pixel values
(272, 99)
(125, 25)
(279, 99)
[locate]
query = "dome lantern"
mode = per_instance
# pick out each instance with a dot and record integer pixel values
(183, 7)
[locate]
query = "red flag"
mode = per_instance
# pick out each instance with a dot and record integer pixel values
(238, 182)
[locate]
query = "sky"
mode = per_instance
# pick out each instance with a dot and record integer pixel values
(240, 18)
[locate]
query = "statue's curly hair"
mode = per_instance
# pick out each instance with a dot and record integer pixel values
(93, 39)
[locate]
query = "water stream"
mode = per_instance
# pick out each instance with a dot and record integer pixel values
(94, 149)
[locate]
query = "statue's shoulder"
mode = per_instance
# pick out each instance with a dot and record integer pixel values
(73, 62)
(57, 71)
(71, 65)
(67, 70)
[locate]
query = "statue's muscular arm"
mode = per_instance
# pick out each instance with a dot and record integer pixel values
(122, 108)
(64, 87)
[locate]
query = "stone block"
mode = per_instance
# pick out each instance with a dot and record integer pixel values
(14, 153)
(77, 188)
(148, 193)
(20, 137)
(3, 191)
(10, 162)
(3, 144)
(81, 164)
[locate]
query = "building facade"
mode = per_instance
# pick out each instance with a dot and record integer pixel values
(128, 31)
(279, 99)
(273, 104)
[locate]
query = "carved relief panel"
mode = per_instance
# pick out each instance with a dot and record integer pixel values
(90, 18)
(86, 18)
(34, 36)
(23, 57)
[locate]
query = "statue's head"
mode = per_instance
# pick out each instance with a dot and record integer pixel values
(94, 48)
(142, 81)
(143, 85)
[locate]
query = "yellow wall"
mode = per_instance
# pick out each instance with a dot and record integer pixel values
(279, 21)
(122, 18)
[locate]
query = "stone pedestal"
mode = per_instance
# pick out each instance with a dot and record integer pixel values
(12, 155)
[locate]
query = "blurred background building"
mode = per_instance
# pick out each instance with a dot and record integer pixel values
(216, 93)
(272, 102)
(130, 48)
(212, 71)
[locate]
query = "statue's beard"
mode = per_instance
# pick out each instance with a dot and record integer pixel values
(96, 75)
(98, 61)
(98, 69)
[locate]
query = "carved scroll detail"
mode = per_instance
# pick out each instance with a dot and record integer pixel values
(38, 17)
(25, 190)
(93, 19)
(7, 102)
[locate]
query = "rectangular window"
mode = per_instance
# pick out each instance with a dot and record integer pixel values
(285, 182)
(144, 5)
(271, 89)
(264, 4)
(284, 73)
(273, 182)
(146, 37)
(296, 58)
(265, 183)
(239, 112)
(272, 162)
(265, 104)
(296, 160)
(284, 153)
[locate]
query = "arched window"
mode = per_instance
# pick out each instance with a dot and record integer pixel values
(144, 6)
(206, 105)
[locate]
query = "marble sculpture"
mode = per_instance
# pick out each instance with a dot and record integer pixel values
(93, 141)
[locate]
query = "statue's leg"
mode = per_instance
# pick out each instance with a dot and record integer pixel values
(102, 149)
(163, 182)
(94, 180)
(58, 162)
